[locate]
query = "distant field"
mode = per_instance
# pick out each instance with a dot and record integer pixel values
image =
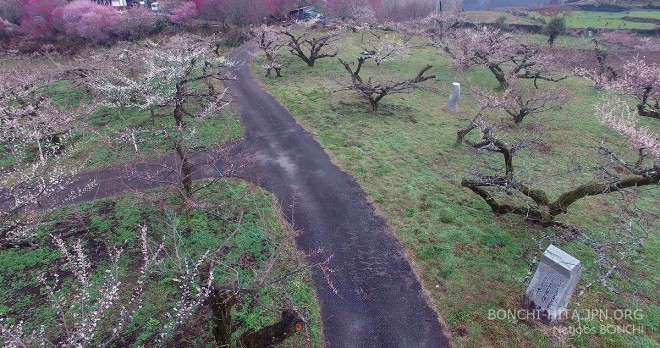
(645, 14)
(492, 16)
(604, 20)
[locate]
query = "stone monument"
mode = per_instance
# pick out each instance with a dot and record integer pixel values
(452, 106)
(552, 285)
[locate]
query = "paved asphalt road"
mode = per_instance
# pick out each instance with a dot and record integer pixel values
(372, 299)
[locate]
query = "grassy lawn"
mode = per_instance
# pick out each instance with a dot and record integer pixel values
(597, 20)
(257, 252)
(470, 260)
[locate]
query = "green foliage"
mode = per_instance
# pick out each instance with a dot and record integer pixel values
(555, 27)
(500, 23)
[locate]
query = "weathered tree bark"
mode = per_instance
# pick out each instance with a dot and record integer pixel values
(518, 116)
(222, 301)
(592, 189)
(499, 75)
(178, 103)
(542, 210)
(271, 335)
(604, 69)
(186, 178)
(153, 116)
(495, 145)
(460, 135)
(277, 71)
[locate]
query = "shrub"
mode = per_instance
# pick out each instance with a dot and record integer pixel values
(555, 27)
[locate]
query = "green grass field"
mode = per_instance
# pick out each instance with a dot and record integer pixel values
(599, 20)
(470, 260)
(257, 252)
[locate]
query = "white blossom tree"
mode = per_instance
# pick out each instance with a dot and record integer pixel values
(34, 133)
(83, 306)
(641, 80)
(179, 77)
(385, 48)
(504, 55)
(271, 41)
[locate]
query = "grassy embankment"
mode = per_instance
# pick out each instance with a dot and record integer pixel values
(242, 223)
(470, 260)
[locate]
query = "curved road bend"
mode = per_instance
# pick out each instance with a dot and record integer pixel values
(372, 299)
(370, 296)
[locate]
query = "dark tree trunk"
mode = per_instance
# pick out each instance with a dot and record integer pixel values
(186, 170)
(592, 189)
(271, 335)
(499, 75)
(460, 135)
(178, 104)
(642, 106)
(374, 104)
(222, 302)
(518, 118)
(153, 116)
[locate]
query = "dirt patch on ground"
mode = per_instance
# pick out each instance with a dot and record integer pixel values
(586, 58)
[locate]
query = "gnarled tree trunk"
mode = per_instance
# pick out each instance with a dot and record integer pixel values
(271, 335)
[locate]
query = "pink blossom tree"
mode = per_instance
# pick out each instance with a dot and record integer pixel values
(184, 13)
(342, 8)
(89, 20)
(11, 10)
(38, 16)
(136, 21)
